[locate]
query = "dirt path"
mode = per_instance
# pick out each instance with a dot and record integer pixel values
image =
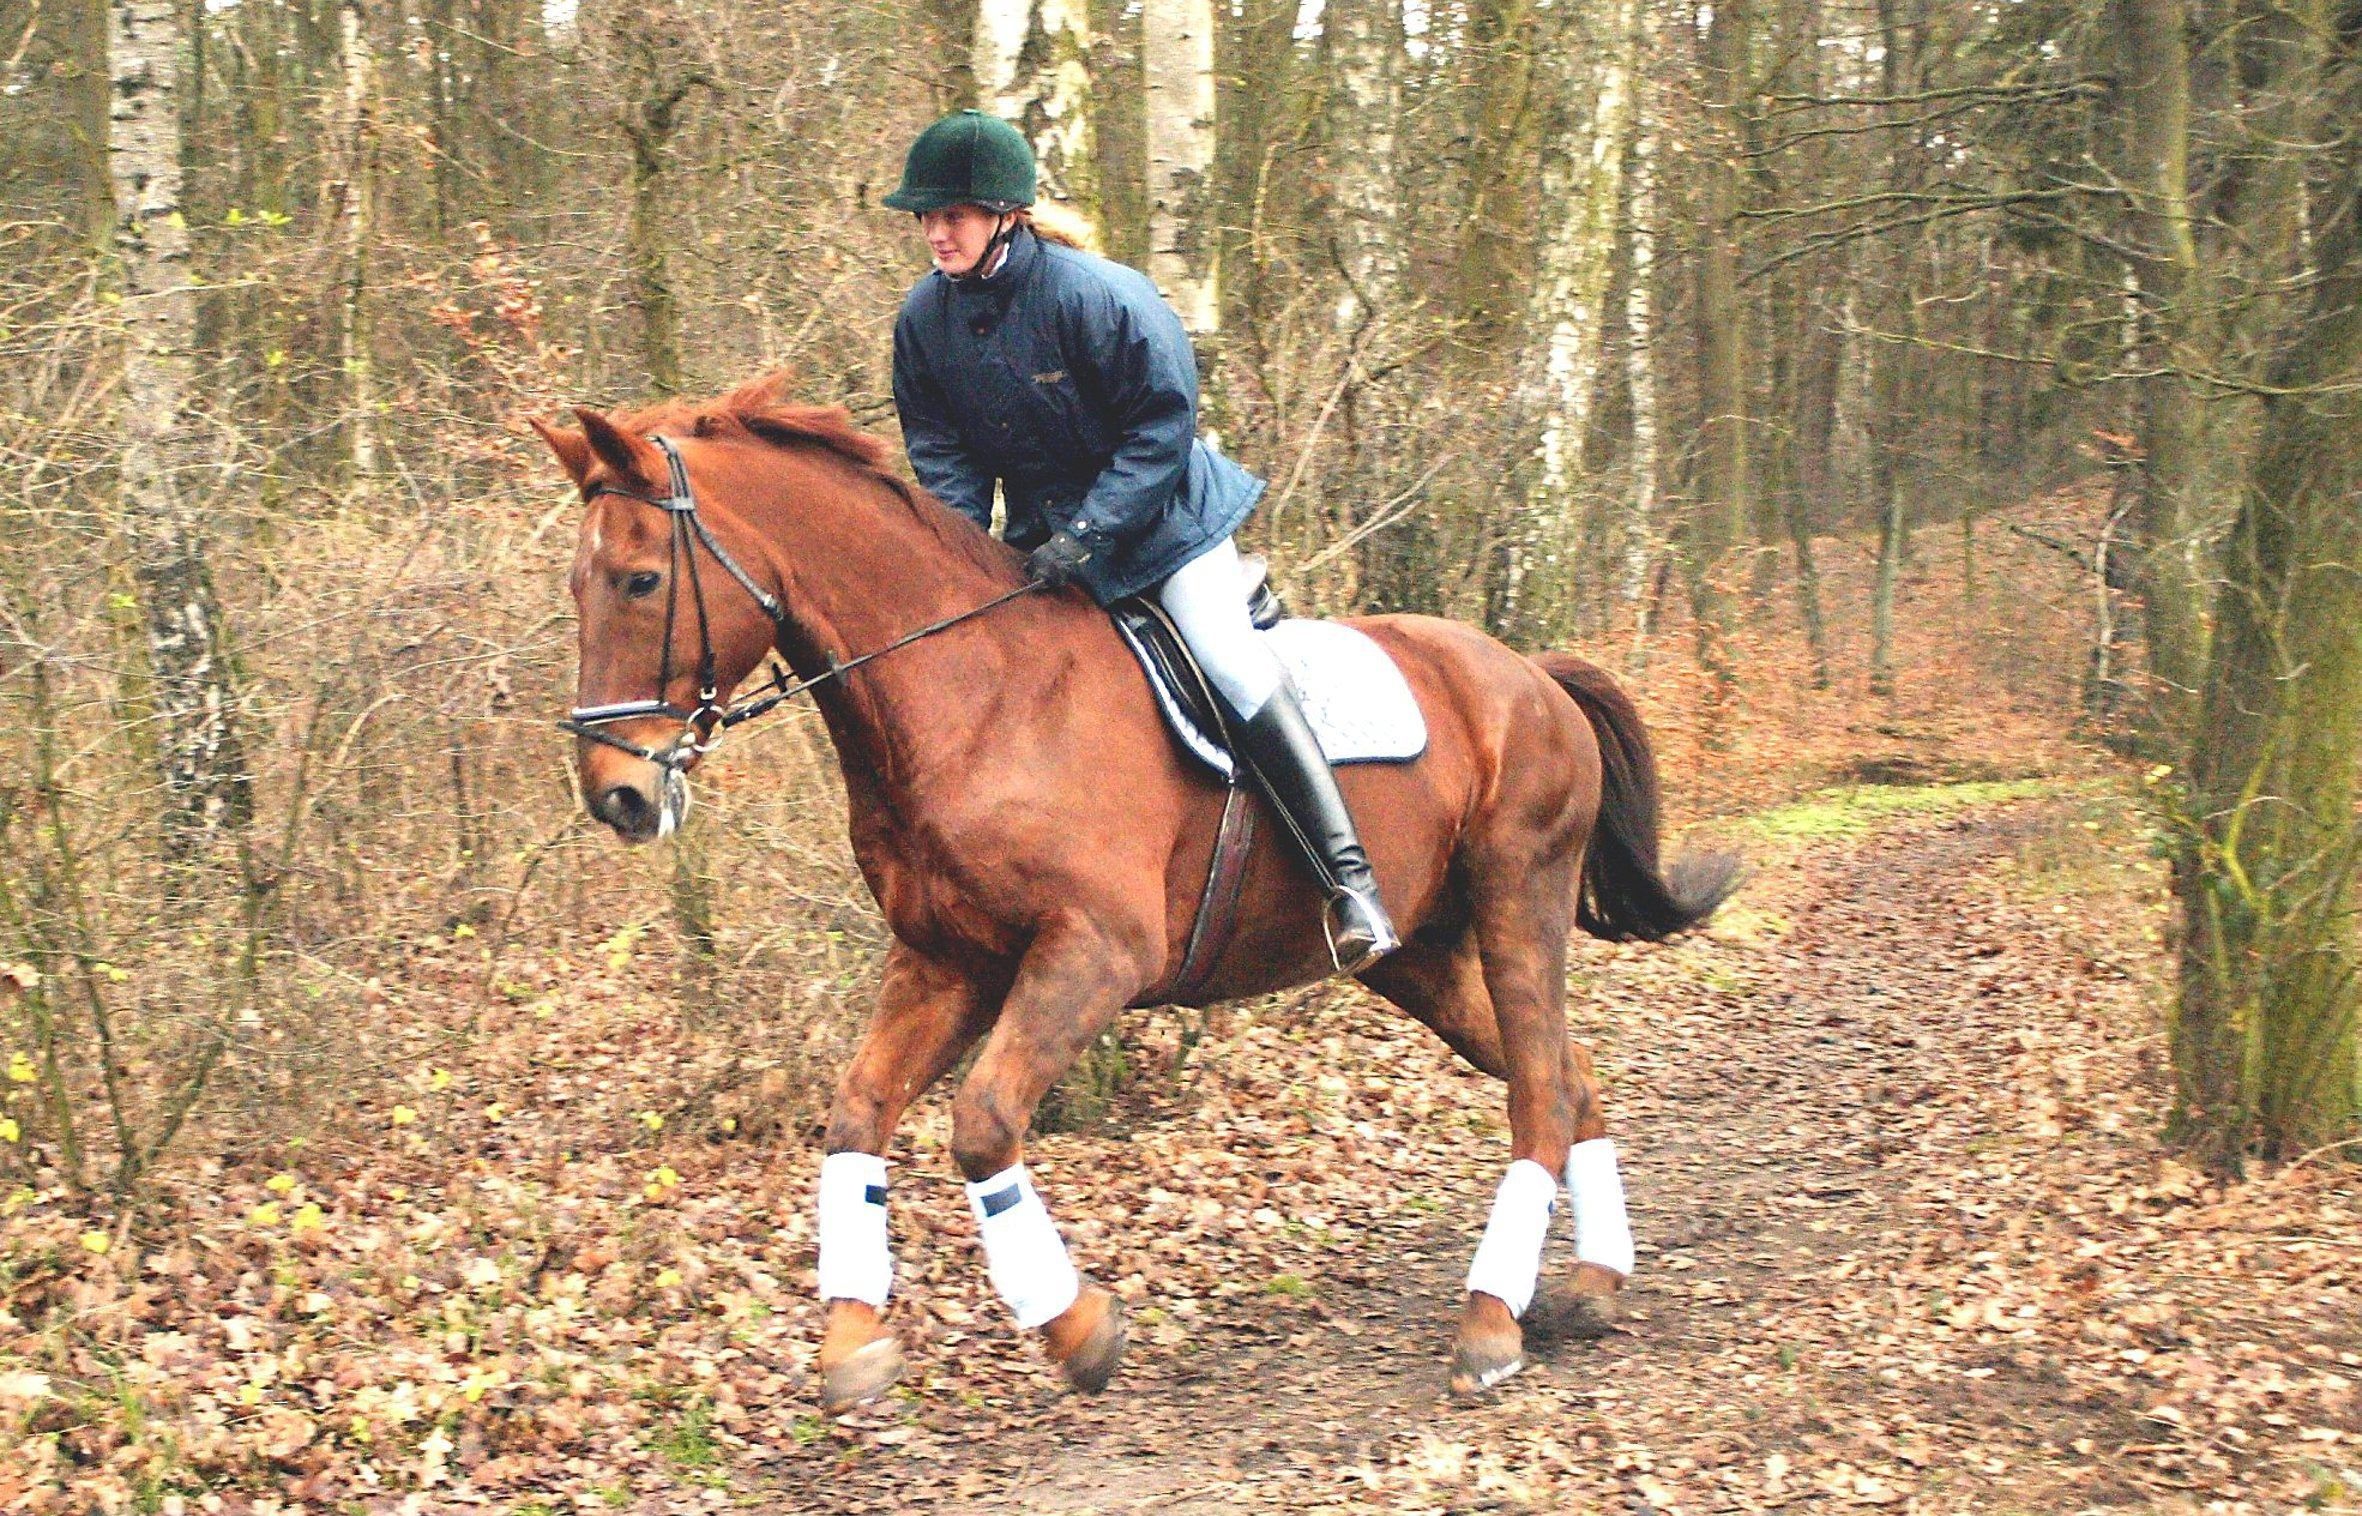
(1907, 1239)
(1886, 1136)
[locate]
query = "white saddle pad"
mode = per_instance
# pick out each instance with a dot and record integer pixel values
(1355, 698)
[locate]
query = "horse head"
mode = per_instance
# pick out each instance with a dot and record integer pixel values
(665, 631)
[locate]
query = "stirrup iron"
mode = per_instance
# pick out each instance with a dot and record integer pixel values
(1381, 939)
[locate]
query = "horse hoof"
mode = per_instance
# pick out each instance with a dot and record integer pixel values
(1588, 1307)
(1477, 1367)
(1088, 1341)
(1490, 1348)
(868, 1372)
(1587, 1317)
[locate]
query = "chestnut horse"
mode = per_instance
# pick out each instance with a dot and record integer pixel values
(1038, 843)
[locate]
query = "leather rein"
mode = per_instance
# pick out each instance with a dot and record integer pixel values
(703, 724)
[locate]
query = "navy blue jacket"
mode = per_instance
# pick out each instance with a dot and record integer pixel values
(1069, 380)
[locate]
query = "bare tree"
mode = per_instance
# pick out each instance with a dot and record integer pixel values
(1362, 44)
(195, 695)
(2267, 1035)
(1721, 519)
(1558, 371)
(663, 74)
(1033, 68)
(356, 143)
(1177, 66)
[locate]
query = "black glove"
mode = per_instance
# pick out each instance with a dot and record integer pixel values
(1058, 562)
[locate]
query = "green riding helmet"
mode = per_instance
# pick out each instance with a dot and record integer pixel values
(967, 158)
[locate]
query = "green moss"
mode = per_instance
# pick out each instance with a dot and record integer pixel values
(1856, 810)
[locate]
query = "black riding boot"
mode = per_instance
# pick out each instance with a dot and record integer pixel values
(1279, 746)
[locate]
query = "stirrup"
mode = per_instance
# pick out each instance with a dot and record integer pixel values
(1366, 951)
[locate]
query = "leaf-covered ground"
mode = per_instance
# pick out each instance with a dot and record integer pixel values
(1907, 1239)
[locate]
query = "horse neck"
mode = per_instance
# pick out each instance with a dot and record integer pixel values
(861, 568)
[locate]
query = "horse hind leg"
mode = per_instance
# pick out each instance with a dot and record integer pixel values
(1590, 1304)
(1521, 933)
(1440, 984)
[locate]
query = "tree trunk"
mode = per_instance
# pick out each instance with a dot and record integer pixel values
(1811, 354)
(1581, 191)
(1033, 68)
(1722, 515)
(1894, 355)
(664, 81)
(2155, 108)
(1177, 64)
(2267, 1053)
(948, 33)
(1362, 41)
(1642, 206)
(1257, 57)
(1497, 261)
(357, 140)
(205, 779)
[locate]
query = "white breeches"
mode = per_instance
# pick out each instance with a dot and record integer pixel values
(1207, 599)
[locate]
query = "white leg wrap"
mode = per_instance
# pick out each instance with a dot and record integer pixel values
(855, 1262)
(1603, 1234)
(1509, 1258)
(1022, 1250)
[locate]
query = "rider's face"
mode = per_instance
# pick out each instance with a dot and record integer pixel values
(957, 235)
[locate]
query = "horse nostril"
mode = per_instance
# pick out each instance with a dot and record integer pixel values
(625, 808)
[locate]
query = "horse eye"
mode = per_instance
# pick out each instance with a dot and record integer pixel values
(640, 585)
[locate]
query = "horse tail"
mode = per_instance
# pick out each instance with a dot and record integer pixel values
(1626, 894)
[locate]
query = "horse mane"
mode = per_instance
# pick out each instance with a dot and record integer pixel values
(757, 411)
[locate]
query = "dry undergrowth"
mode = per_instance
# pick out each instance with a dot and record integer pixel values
(540, 1242)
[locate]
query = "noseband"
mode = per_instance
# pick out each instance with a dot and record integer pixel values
(703, 724)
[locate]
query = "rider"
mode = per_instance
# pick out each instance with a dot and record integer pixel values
(1067, 379)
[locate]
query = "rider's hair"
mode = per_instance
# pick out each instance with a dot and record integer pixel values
(1055, 221)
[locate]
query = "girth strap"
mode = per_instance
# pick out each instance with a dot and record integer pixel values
(1217, 905)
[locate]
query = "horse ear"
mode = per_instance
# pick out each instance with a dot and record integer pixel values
(628, 455)
(572, 448)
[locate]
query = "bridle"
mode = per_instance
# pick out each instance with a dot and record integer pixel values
(702, 725)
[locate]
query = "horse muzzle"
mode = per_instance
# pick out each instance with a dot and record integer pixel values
(644, 808)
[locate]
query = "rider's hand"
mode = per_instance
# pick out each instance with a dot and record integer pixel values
(1058, 562)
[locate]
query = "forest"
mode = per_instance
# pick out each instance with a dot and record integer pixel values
(1944, 420)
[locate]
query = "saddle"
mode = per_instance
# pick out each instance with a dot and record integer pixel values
(1182, 691)
(1356, 700)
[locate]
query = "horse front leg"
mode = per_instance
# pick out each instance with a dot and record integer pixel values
(928, 1014)
(1067, 990)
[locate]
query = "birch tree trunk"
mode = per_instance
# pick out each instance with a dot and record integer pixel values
(1362, 42)
(357, 141)
(1558, 371)
(1177, 64)
(1033, 69)
(206, 784)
